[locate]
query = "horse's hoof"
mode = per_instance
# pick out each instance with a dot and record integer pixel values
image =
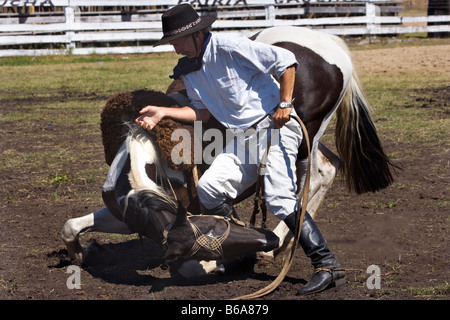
(73, 246)
(74, 250)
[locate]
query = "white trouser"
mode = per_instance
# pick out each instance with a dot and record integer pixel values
(236, 168)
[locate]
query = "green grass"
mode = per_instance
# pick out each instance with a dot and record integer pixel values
(439, 290)
(395, 99)
(51, 60)
(47, 77)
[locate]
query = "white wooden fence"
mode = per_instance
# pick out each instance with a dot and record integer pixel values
(68, 26)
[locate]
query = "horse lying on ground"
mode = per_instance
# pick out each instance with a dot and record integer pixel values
(150, 210)
(136, 204)
(199, 237)
(325, 82)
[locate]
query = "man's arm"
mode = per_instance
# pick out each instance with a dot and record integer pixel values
(287, 81)
(151, 115)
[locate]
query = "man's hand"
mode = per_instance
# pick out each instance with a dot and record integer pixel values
(150, 116)
(280, 117)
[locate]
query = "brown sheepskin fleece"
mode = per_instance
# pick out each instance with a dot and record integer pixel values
(124, 107)
(176, 86)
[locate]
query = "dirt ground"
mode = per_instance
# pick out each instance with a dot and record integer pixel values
(404, 229)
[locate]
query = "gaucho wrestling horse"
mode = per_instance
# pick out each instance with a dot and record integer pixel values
(326, 83)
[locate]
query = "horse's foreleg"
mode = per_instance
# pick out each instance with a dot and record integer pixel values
(70, 233)
(101, 221)
(282, 232)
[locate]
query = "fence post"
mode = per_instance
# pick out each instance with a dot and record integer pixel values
(372, 11)
(270, 14)
(69, 13)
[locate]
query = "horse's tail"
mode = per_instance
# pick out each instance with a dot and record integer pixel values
(364, 162)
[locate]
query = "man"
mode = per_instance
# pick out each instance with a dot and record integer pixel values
(234, 79)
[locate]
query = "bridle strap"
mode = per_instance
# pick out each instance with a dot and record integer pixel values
(208, 242)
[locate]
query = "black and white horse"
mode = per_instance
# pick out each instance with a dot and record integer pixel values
(135, 203)
(326, 83)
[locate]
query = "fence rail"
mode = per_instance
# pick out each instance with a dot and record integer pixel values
(62, 26)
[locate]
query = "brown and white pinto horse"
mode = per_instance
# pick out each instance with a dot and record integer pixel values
(326, 83)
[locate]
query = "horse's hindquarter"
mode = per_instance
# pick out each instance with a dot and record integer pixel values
(325, 67)
(323, 74)
(329, 47)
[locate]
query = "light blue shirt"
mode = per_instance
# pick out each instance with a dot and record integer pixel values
(235, 82)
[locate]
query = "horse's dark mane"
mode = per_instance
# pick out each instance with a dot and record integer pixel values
(154, 202)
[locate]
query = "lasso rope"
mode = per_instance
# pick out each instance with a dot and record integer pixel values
(301, 203)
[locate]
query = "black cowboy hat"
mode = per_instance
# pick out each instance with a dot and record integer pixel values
(181, 21)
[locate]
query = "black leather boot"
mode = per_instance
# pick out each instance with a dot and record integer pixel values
(328, 271)
(225, 209)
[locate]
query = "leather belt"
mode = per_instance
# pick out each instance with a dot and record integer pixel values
(260, 120)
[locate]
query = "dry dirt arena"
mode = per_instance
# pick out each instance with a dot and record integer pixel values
(403, 230)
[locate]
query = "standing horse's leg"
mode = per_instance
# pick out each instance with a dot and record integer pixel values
(323, 171)
(327, 167)
(101, 221)
(324, 167)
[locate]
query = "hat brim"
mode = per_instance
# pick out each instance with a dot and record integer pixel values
(204, 23)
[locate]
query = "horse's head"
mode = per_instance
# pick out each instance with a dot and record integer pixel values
(148, 214)
(179, 237)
